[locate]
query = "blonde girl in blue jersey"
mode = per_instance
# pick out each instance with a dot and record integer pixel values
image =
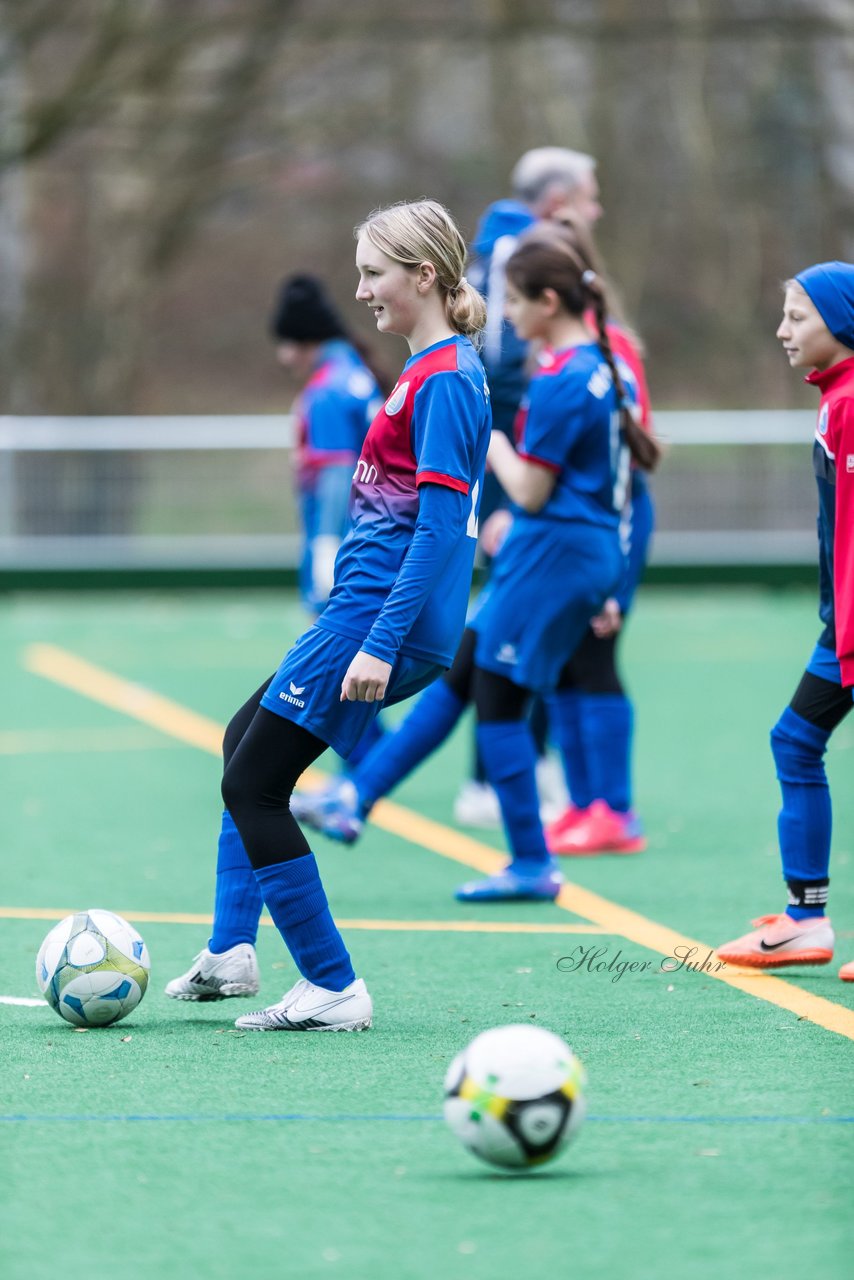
(562, 559)
(391, 625)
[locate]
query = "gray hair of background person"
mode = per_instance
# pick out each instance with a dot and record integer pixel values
(545, 167)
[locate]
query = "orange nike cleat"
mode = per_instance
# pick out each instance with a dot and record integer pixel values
(780, 941)
(599, 829)
(846, 973)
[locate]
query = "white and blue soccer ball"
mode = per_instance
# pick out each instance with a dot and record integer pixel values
(93, 968)
(515, 1096)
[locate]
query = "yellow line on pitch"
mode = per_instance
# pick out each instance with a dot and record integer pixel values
(17, 742)
(170, 717)
(391, 926)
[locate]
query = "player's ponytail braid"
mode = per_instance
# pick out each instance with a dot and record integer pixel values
(643, 447)
(561, 258)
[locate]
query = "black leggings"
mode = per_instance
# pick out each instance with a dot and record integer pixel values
(821, 702)
(593, 666)
(495, 698)
(264, 756)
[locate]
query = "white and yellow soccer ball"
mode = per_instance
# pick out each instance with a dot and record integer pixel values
(93, 968)
(515, 1096)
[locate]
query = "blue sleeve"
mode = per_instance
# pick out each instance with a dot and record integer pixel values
(446, 417)
(334, 420)
(557, 410)
(442, 517)
(640, 526)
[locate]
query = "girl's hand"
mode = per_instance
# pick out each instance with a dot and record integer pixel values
(366, 679)
(494, 530)
(609, 621)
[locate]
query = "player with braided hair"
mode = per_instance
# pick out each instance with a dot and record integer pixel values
(590, 715)
(561, 560)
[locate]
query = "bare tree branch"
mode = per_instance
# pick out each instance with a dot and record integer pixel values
(196, 177)
(83, 93)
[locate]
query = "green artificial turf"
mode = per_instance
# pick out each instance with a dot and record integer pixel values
(720, 1126)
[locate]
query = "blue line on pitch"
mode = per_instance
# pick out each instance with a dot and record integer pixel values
(202, 1118)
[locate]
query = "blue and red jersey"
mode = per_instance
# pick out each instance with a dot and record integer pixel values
(433, 429)
(833, 458)
(333, 411)
(569, 423)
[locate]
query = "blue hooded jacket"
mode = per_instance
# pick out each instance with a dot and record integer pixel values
(503, 351)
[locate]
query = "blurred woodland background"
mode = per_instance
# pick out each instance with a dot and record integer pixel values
(163, 163)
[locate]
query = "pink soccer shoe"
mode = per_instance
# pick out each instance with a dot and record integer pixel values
(780, 941)
(599, 829)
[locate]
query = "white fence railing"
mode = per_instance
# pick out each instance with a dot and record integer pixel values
(155, 492)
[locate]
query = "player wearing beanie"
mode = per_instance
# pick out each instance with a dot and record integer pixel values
(817, 333)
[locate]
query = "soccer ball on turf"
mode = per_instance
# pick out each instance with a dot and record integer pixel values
(93, 968)
(515, 1096)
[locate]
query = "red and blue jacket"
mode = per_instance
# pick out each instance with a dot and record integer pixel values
(833, 459)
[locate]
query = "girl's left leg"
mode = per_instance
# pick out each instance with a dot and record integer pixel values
(509, 756)
(594, 724)
(256, 788)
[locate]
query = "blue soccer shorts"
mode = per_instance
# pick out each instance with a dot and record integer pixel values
(307, 688)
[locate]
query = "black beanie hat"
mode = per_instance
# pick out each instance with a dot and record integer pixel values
(304, 312)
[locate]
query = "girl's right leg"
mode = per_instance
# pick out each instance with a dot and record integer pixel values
(257, 786)
(508, 751)
(227, 966)
(802, 934)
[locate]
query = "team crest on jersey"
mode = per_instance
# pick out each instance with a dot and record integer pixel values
(849, 463)
(396, 400)
(822, 420)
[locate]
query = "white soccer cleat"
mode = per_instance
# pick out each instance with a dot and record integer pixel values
(216, 977)
(551, 786)
(309, 1008)
(477, 805)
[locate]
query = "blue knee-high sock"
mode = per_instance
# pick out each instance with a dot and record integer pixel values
(565, 721)
(509, 758)
(237, 901)
(428, 724)
(297, 903)
(804, 823)
(607, 725)
(369, 739)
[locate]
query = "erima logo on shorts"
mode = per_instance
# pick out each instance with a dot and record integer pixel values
(396, 400)
(849, 463)
(293, 697)
(507, 653)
